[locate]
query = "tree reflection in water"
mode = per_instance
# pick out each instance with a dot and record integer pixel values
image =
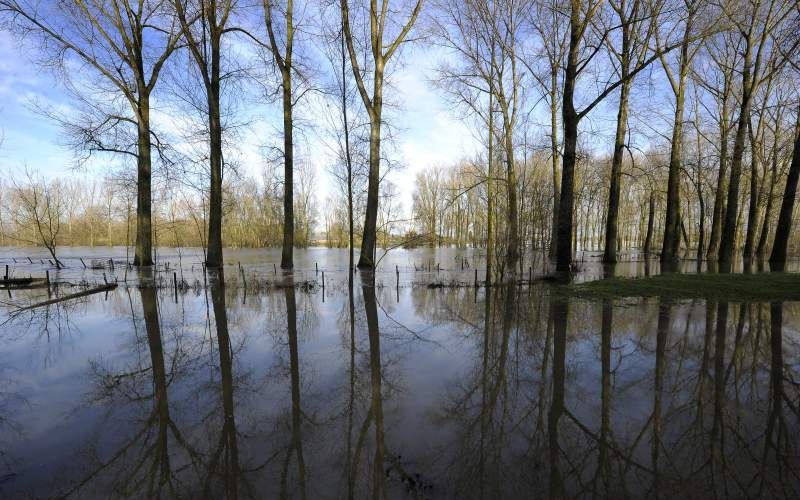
(415, 393)
(224, 461)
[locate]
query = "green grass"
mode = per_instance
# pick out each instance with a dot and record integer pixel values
(761, 287)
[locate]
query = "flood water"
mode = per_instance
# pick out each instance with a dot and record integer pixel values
(253, 383)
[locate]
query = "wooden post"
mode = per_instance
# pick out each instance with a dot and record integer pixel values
(111, 264)
(323, 281)
(397, 273)
(274, 269)
(6, 271)
(175, 284)
(316, 267)
(530, 275)
(476, 277)
(47, 276)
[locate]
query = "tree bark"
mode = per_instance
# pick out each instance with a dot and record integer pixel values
(728, 241)
(648, 239)
(753, 211)
(143, 255)
(512, 252)
(287, 252)
(214, 252)
(783, 228)
(570, 121)
(719, 198)
(761, 249)
(368, 244)
(671, 242)
(612, 217)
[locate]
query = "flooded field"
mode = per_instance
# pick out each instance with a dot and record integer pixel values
(253, 383)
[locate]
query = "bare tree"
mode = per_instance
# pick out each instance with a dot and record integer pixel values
(678, 80)
(203, 24)
(635, 28)
(579, 55)
(381, 52)
(783, 229)
(126, 44)
(549, 24)
(39, 208)
(756, 24)
(282, 52)
(717, 79)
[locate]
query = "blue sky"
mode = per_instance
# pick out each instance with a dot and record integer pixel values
(429, 135)
(430, 132)
(28, 138)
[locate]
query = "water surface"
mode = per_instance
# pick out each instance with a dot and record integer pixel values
(241, 386)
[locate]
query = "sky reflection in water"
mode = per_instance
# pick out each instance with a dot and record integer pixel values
(426, 393)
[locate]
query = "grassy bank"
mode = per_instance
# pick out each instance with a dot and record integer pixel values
(761, 287)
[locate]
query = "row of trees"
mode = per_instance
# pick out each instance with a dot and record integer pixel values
(125, 48)
(80, 211)
(730, 70)
(449, 210)
(533, 76)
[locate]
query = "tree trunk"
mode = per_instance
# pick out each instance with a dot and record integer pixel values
(648, 239)
(719, 198)
(214, 251)
(761, 249)
(368, 243)
(287, 258)
(367, 258)
(348, 158)
(702, 229)
(728, 242)
(612, 217)
(570, 120)
(512, 252)
(554, 153)
(671, 242)
(143, 255)
(490, 197)
(753, 212)
(783, 229)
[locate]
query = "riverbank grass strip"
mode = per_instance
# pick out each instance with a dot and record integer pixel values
(763, 287)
